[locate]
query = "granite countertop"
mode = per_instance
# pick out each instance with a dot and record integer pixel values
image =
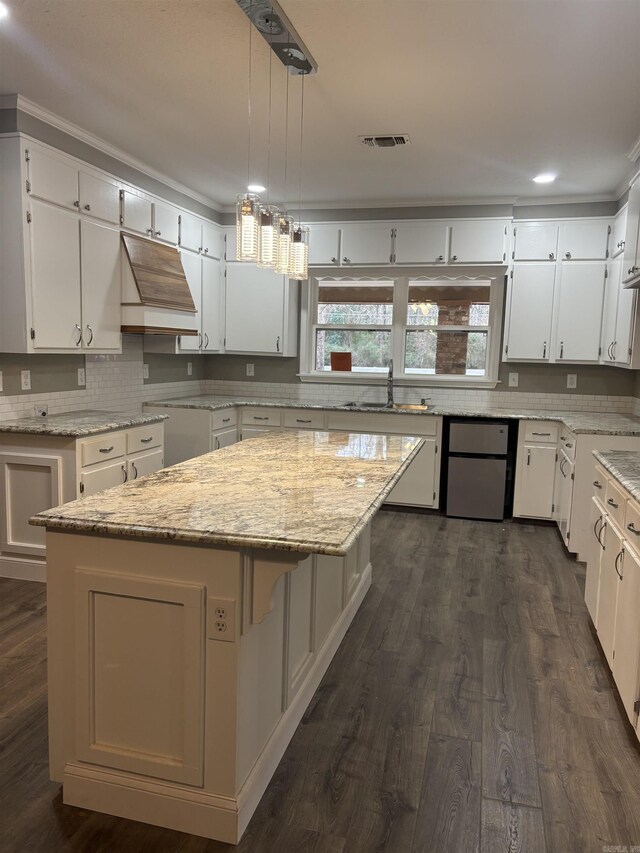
(592, 423)
(78, 424)
(624, 465)
(311, 492)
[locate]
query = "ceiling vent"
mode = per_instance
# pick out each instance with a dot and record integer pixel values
(385, 141)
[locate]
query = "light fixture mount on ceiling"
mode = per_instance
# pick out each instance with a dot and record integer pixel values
(391, 140)
(277, 30)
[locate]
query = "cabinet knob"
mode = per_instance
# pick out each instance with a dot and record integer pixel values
(158, 233)
(552, 257)
(334, 260)
(150, 232)
(206, 251)
(440, 258)
(567, 255)
(454, 258)
(346, 260)
(87, 207)
(76, 204)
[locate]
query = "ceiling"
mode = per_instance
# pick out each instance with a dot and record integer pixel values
(491, 92)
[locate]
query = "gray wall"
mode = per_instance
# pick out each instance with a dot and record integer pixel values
(267, 368)
(48, 372)
(173, 368)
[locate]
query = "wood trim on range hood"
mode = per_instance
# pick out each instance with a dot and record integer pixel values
(158, 274)
(157, 330)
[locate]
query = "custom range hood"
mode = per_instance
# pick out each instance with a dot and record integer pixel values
(156, 299)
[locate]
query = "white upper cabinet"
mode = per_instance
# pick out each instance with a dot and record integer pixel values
(366, 244)
(535, 241)
(51, 178)
(324, 245)
(55, 277)
(211, 304)
(584, 240)
(528, 335)
(211, 244)
(618, 233)
(99, 198)
(631, 263)
(478, 241)
(137, 213)
(610, 312)
(165, 222)
(101, 286)
(190, 232)
(192, 265)
(260, 311)
(580, 311)
(420, 242)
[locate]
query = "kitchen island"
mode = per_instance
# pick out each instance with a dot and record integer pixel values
(192, 615)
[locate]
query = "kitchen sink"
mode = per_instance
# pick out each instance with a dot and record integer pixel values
(407, 407)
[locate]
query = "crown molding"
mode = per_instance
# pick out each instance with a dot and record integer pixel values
(24, 105)
(529, 201)
(634, 153)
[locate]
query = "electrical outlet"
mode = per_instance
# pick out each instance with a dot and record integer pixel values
(251, 370)
(145, 371)
(1, 385)
(82, 378)
(513, 380)
(189, 368)
(25, 380)
(572, 380)
(222, 619)
(41, 410)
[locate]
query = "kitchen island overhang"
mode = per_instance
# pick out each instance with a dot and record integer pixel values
(192, 615)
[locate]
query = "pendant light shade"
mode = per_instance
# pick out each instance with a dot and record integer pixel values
(299, 254)
(247, 223)
(285, 236)
(267, 252)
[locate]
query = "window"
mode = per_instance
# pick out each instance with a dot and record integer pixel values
(436, 330)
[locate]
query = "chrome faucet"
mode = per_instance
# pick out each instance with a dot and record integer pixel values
(390, 385)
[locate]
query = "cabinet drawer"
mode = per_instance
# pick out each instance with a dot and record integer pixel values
(261, 417)
(304, 419)
(615, 503)
(600, 481)
(223, 419)
(632, 523)
(145, 437)
(542, 431)
(568, 442)
(392, 424)
(108, 446)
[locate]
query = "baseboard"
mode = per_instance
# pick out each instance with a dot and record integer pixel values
(23, 569)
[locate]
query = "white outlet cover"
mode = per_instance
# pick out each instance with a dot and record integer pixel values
(82, 380)
(145, 371)
(189, 368)
(513, 380)
(572, 380)
(1, 385)
(251, 370)
(25, 380)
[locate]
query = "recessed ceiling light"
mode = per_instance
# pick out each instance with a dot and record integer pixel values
(4, 11)
(544, 178)
(256, 188)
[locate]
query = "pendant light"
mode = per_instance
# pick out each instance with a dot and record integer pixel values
(299, 252)
(248, 204)
(269, 214)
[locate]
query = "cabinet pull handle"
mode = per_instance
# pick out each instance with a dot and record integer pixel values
(609, 350)
(135, 471)
(105, 449)
(600, 532)
(278, 344)
(612, 503)
(633, 529)
(552, 257)
(302, 421)
(597, 484)
(125, 475)
(259, 418)
(146, 440)
(89, 329)
(199, 340)
(528, 457)
(217, 443)
(561, 349)
(544, 349)
(541, 433)
(206, 340)
(596, 533)
(618, 560)
(568, 444)
(79, 341)
(613, 350)
(226, 420)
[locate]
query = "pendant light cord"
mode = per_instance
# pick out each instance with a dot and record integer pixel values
(269, 135)
(303, 75)
(286, 140)
(249, 98)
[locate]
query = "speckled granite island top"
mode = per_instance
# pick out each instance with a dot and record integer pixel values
(78, 424)
(312, 492)
(624, 466)
(591, 423)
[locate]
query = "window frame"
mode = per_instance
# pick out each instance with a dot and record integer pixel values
(496, 279)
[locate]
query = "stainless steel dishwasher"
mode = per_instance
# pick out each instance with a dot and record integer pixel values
(477, 468)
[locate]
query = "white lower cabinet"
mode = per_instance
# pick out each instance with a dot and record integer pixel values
(598, 523)
(536, 474)
(144, 463)
(252, 432)
(626, 643)
(418, 485)
(563, 498)
(224, 438)
(609, 589)
(97, 478)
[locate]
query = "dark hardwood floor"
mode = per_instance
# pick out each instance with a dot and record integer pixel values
(468, 709)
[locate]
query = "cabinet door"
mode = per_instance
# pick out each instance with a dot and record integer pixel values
(99, 198)
(211, 240)
(193, 271)
(211, 304)
(52, 179)
(251, 432)
(618, 234)
(55, 277)
(535, 241)
(190, 232)
(625, 317)
(101, 286)
(580, 311)
(584, 241)
(254, 309)
(165, 222)
(594, 552)
(366, 244)
(224, 438)
(136, 213)
(626, 643)
(564, 495)
(610, 312)
(536, 470)
(478, 242)
(145, 463)
(417, 486)
(104, 477)
(29, 484)
(324, 245)
(531, 310)
(421, 243)
(609, 587)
